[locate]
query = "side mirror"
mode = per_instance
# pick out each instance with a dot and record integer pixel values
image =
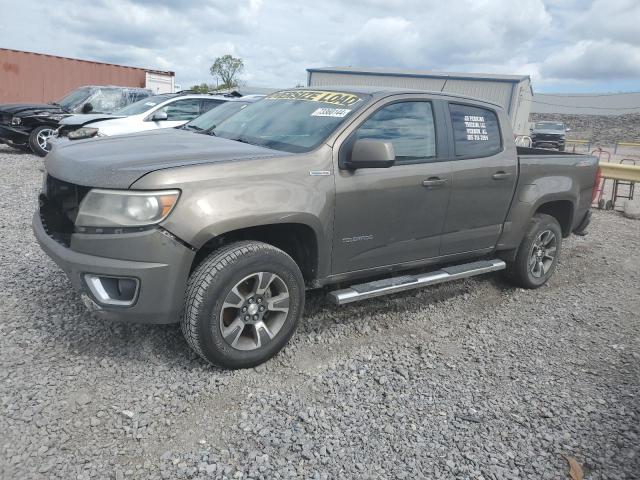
(159, 116)
(367, 153)
(87, 108)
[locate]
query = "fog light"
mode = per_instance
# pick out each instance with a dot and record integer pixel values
(119, 291)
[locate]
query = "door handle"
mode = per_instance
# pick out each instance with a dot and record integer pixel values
(434, 182)
(500, 175)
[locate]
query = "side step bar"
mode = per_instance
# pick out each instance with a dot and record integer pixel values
(388, 286)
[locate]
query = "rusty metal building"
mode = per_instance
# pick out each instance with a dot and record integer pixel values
(37, 78)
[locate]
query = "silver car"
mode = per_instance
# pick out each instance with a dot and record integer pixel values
(158, 111)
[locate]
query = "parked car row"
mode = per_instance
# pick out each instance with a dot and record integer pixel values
(30, 126)
(352, 190)
(102, 111)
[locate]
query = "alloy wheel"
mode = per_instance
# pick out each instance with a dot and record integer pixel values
(43, 138)
(543, 253)
(254, 311)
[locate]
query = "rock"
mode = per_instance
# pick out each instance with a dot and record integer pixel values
(631, 210)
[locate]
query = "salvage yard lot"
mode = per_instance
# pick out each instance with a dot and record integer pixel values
(473, 379)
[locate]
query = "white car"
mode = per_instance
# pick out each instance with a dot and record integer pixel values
(151, 113)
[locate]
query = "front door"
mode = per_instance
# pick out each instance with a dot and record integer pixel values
(484, 175)
(387, 216)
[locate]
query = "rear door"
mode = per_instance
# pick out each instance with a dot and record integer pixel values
(388, 216)
(484, 175)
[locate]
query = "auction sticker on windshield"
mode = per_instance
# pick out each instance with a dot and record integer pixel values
(331, 112)
(334, 98)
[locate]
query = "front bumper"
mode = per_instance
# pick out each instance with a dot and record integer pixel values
(159, 262)
(549, 142)
(12, 134)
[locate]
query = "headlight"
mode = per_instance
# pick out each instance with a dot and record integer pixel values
(16, 121)
(84, 132)
(122, 208)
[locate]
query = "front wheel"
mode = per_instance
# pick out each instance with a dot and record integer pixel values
(39, 139)
(243, 304)
(538, 253)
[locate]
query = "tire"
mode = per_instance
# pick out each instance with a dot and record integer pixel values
(228, 319)
(561, 148)
(537, 244)
(38, 139)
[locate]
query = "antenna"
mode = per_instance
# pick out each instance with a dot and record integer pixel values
(444, 84)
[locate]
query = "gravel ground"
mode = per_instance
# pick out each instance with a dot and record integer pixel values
(470, 380)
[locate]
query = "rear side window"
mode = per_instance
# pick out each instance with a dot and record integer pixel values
(476, 131)
(409, 126)
(207, 105)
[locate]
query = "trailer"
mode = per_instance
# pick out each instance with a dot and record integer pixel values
(39, 78)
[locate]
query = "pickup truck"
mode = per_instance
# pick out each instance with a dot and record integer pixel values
(549, 135)
(360, 191)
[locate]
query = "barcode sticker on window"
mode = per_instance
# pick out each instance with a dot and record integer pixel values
(331, 112)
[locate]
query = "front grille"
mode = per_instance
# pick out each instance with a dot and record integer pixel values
(59, 204)
(548, 136)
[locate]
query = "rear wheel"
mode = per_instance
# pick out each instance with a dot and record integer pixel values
(39, 139)
(243, 304)
(538, 253)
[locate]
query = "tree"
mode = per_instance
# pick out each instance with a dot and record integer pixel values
(202, 88)
(227, 68)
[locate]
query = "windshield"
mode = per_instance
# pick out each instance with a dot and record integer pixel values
(215, 116)
(75, 98)
(549, 126)
(291, 120)
(142, 106)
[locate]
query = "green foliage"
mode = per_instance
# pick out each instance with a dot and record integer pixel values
(202, 88)
(227, 68)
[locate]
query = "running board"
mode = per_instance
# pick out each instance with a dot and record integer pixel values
(388, 286)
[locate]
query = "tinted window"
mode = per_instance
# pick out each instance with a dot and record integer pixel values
(207, 105)
(185, 109)
(408, 126)
(75, 98)
(475, 131)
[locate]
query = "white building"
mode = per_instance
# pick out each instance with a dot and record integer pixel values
(512, 92)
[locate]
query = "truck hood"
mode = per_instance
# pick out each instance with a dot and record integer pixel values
(26, 109)
(117, 162)
(83, 119)
(544, 131)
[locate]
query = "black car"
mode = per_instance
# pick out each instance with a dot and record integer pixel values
(549, 135)
(29, 126)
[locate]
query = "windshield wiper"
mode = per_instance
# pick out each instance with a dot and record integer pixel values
(241, 140)
(193, 127)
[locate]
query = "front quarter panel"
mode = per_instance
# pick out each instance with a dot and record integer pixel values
(219, 198)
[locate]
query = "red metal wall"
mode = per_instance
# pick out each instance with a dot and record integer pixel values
(34, 77)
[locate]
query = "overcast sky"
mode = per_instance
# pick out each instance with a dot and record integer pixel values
(565, 45)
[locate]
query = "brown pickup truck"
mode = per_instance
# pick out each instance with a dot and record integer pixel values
(363, 192)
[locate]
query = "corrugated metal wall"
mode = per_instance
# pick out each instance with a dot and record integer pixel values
(499, 92)
(33, 77)
(522, 106)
